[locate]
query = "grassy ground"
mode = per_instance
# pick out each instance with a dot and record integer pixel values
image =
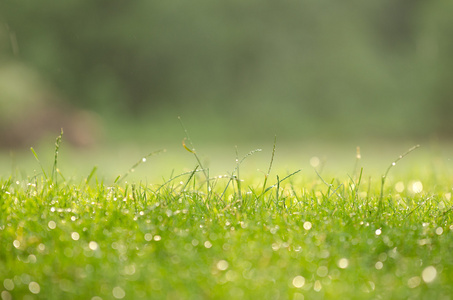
(273, 235)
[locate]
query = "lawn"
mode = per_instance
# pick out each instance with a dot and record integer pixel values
(277, 234)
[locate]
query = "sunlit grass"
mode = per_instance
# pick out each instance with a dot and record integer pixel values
(292, 234)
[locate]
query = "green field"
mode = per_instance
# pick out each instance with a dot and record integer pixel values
(274, 234)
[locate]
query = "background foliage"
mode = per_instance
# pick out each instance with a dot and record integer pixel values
(295, 68)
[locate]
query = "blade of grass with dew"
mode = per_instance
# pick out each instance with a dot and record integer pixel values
(384, 177)
(266, 176)
(55, 162)
(93, 171)
(40, 164)
(142, 160)
(192, 150)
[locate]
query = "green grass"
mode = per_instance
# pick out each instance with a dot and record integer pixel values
(274, 235)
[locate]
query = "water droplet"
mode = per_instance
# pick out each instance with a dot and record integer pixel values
(343, 263)
(52, 224)
(413, 282)
(222, 265)
(148, 237)
(208, 244)
(8, 284)
(378, 231)
(307, 225)
(298, 281)
(157, 238)
(417, 187)
(75, 236)
(144, 159)
(318, 286)
(231, 276)
(379, 265)
(5, 295)
(93, 245)
(41, 247)
(439, 230)
(399, 186)
(322, 271)
(31, 259)
(429, 274)
(314, 161)
(16, 244)
(34, 287)
(298, 296)
(393, 163)
(118, 292)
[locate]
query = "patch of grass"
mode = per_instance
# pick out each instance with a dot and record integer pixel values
(292, 235)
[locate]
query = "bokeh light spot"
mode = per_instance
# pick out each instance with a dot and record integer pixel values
(298, 281)
(429, 274)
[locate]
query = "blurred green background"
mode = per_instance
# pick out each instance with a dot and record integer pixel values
(235, 71)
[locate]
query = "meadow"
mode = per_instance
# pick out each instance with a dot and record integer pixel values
(275, 234)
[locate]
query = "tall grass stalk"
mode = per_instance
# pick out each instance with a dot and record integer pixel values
(384, 177)
(142, 160)
(194, 152)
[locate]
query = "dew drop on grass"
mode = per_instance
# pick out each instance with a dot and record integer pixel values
(5, 295)
(307, 225)
(314, 161)
(298, 296)
(298, 281)
(343, 263)
(379, 265)
(31, 258)
(93, 245)
(208, 244)
(75, 236)
(34, 287)
(439, 230)
(322, 271)
(417, 187)
(383, 256)
(41, 247)
(16, 244)
(413, 282)
(222, 265)
(118, 292)
(318, 286)
(399, 186)
(429, 274)
(148, 237)
(144, 159)
(8, 284)
(378, 231)
(52, 224)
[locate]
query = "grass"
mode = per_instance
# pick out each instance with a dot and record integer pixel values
(290, 235)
